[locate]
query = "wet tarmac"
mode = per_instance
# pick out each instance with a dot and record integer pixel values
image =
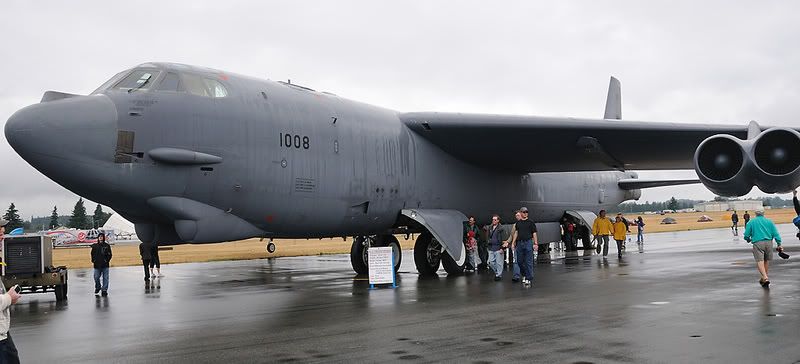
(690, 297)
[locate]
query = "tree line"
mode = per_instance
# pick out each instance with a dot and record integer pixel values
(78, 219)
(680, 204)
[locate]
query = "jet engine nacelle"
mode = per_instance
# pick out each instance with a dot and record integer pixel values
(776, 156)
(729, 166)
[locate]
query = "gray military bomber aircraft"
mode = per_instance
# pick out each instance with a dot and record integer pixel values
(197, 155)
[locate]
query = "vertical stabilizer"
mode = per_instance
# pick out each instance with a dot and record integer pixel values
(614, 100)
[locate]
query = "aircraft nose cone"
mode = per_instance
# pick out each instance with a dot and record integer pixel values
(78, 128)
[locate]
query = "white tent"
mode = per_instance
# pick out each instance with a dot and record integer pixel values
(123, 229)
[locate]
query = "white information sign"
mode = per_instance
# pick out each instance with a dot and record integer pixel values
(381, 265)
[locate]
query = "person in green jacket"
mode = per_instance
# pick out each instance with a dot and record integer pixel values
(760, 232)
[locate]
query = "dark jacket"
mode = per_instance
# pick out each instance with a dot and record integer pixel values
(146, 251)
(496, 238)
(101, 255)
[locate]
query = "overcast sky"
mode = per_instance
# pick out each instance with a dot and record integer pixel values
(711, 62)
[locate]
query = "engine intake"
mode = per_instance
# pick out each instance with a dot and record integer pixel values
(729, 166)
(776, 155)
(722, 163)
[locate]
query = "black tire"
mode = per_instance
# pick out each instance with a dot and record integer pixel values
(61, 292)
(397, 250)
(271, 248)
(450, 265)
(427, 254)
(358, 255)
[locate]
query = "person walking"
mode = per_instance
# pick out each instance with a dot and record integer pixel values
(101, 260)
(620, 233)
(512, 256)
(155, 261)
(602, 228)
(471, 236)
(735, 223)
(761, 232)
(146, 252)
(746, 218)
(496, 245)
(796, 220)
(639, 230)
(524, 242)
(8, 351)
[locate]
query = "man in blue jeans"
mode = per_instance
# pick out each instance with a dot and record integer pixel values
(523, 243)
(495, 247)
(512, 256)
(101, 257)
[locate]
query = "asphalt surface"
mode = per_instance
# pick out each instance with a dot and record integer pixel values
(690, 297)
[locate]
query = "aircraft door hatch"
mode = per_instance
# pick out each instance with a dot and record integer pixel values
(446, 226)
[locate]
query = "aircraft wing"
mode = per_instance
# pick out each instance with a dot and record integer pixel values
(543, 144)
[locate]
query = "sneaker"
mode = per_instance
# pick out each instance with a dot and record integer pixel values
(526, 283)
(105, 293)
(497, 278)
(96, 292)
(515, 279)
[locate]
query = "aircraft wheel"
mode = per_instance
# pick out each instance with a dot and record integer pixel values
(358, 253)
(397, 251)
(271, 247)
(427, 254)
(451, 266)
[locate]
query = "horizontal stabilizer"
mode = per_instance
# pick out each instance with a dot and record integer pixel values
(635, 184)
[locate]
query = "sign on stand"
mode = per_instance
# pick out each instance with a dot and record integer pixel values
(381, 266)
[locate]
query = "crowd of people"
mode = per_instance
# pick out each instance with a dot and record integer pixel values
(494, 249)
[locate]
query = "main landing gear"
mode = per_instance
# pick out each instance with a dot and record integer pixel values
(428, 254)
(361, 244)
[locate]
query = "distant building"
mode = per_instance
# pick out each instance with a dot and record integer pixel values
(743, 205)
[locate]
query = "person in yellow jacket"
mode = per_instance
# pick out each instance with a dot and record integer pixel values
(602, 228)
(620, 233)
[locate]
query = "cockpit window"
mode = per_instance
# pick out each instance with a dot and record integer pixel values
(200, 86)
(171, 82)
(110, 82)
(139, 79)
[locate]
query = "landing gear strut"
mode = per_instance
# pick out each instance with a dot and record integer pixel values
(359, 257)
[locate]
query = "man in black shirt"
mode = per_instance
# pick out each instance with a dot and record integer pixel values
(101, 258)
(523, 243)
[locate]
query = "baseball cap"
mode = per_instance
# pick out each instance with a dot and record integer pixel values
(3, 222)
(523, 209)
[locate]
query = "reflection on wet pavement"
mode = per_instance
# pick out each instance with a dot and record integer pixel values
(690, 297)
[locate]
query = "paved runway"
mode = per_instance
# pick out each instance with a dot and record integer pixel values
(691, 297)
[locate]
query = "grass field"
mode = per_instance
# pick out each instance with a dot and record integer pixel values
(125, 255)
